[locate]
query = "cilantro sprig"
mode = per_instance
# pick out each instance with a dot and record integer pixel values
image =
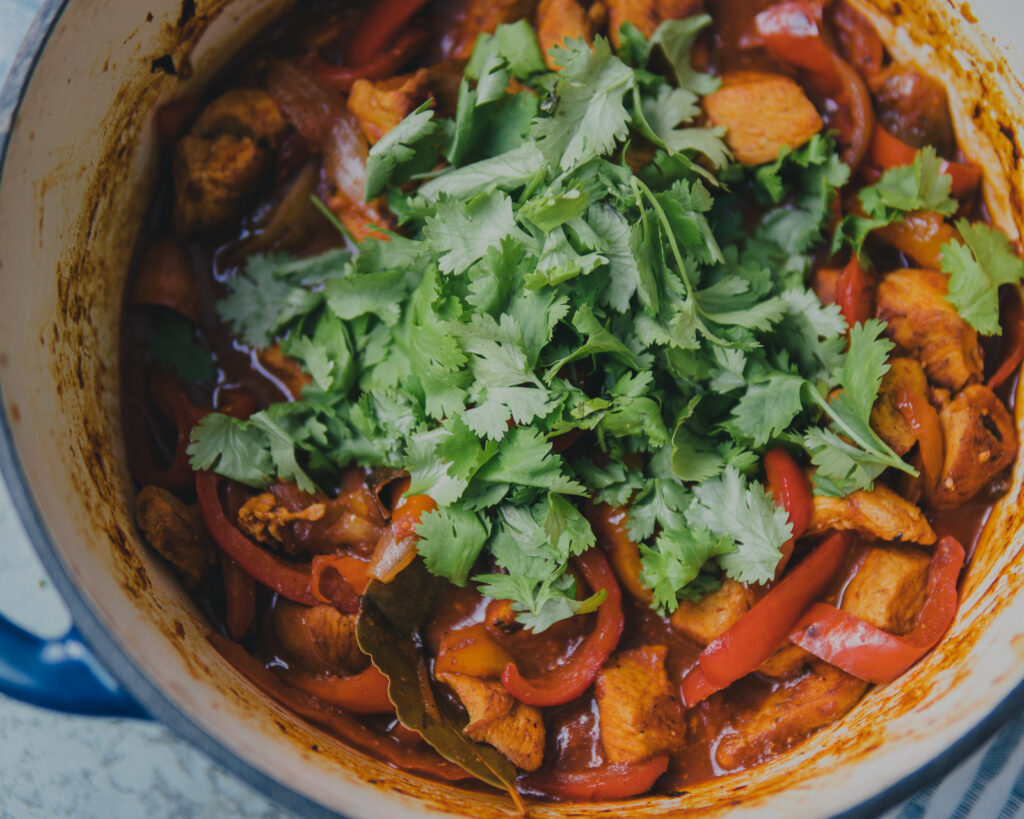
(555, 326)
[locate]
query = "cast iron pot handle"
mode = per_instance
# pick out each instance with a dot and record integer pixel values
(61, 674)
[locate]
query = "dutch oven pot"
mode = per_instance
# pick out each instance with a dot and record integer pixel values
(76, 175)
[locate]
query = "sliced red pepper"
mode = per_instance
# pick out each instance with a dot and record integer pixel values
(379, 27)
(329, 585)
(569, 681)
(617, 781)
(416, 759)
(384, 64)
(867, 652)
(285, 578)
(889, 152)
(362, 693)
(752, 639)
(1012, 322)
(924, 421)
(792, 33)
(792, 491)
(239, 597)
(855, 293)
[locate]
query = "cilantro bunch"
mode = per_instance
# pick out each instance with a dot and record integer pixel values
(589, 302)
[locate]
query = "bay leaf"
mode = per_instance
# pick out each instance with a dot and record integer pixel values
(388, 631)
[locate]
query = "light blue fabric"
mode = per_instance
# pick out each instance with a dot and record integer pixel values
(989, 783)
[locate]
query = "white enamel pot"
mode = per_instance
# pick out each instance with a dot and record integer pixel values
(76, 172)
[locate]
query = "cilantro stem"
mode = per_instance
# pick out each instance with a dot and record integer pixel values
(642, 191)
(328, 214)
(886, 457)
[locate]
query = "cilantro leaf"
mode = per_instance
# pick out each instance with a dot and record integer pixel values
(176, 349)
(450, 541)
(732, 508)
(976, 269)
(462, 234)
(676, 561)
(407, 148)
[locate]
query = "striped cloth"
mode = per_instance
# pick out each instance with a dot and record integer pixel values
(989, 783)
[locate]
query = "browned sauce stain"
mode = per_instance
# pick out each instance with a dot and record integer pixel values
(14, 412)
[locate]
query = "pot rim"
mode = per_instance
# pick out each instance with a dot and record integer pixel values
(114, 658)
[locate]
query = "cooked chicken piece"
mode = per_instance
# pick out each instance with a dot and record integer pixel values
(939, 396)
(640, 714)
(499, 719)
(787, 661)
(647, 15)
(243, 112)
(214, 178)
(927, 327)
(879, 512)
(176, 530)
(980, 441)
(886, 418)
(788, 715)
(888, 588)
(380, 105)
(557, 21)
(318, 638)
(704, 620)
(265, 517)
(763, 114)
(477, 17)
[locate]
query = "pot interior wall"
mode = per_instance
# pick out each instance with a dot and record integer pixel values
(74, 188)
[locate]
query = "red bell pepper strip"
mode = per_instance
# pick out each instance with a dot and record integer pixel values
(792, 491)
(569, 681)
(379, 27)
(617, 781)
(329, 585)
(889, 152)
(416, 759)
(1013, 339)
(855, 293)
(924, 421)
(867, 652)
(752, 639)
(362, 693)
(239, 597)
(384, 64)
(285, 578)
(791, 31)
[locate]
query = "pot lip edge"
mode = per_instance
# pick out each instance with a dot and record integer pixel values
(116, 660)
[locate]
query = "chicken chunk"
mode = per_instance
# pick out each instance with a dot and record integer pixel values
(214, 178)
(499, 719)
(888, 589)
(380, 105)
(476, 17)
(318, 638)
(980, 441)
(886, 418)
(787, 661)
(788, 715)
(879, 512)
(702, 621)
(762, 113)
(640, 713)
(243, 112)
(264, 517)
(647, 15)
(558, 20)
(176, 530)
(926, 326)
